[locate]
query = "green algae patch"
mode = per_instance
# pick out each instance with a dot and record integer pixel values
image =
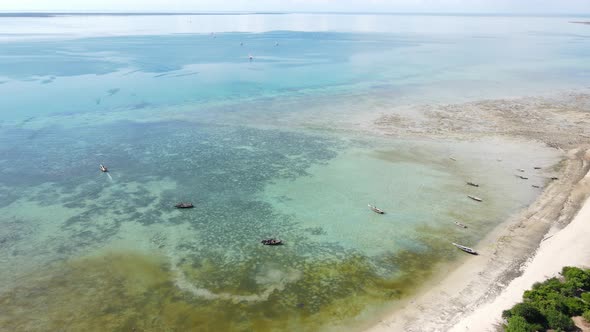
(135, 292)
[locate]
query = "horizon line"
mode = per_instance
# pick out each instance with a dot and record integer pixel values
(48, 13)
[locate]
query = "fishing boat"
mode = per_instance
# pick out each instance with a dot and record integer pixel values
(522, 177)
(453, 159)
(466, 249)
(184, 205)
(473, 184)
(376, 209)
(460, 224)
(272, 242)
(521, 170)
(475, 198)
(103, 168)
(535, 186)
(537, 167)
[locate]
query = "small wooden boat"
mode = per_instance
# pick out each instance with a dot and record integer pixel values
(466, 249)
(453, 159)
(460, 224)
(537, 167)
(184, 205)
(475, 198)
(522, 177)
(376, 209)
(521, 170)
(103, 168)
(272, 242)
(473, 184)
(535, 186)
(554, 178)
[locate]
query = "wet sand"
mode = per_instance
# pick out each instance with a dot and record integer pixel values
(485, 285)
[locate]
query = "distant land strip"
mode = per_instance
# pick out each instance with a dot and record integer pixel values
(33, 14)
(8, 14)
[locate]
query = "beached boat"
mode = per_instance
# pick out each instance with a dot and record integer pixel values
(521, 170)
(460, 224)
(535, 186)
(466, 249)
(184, 205)
(473, 184)
(376, 209)
(522, 177)
(271, 242)
(475, 198)
(453, 159)
(103, 168)
(537, 167)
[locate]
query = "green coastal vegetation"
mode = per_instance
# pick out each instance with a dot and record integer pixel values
(552, 303)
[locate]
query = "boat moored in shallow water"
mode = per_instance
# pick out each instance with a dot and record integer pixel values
(475, 198)
(460, 224)
(103, 168)
(376, 209)
(272, 242)
(184, 205)
(466, 249)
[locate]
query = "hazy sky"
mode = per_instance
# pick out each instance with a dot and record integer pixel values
(516, 6)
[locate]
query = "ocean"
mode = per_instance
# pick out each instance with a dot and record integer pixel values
(254, 118)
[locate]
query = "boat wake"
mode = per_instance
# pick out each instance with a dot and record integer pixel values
(110, 177)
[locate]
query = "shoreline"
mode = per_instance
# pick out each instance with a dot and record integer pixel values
(456, 299)
(447, 301)
(564, 247)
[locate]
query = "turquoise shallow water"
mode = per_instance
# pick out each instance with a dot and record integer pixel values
(178, 113)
